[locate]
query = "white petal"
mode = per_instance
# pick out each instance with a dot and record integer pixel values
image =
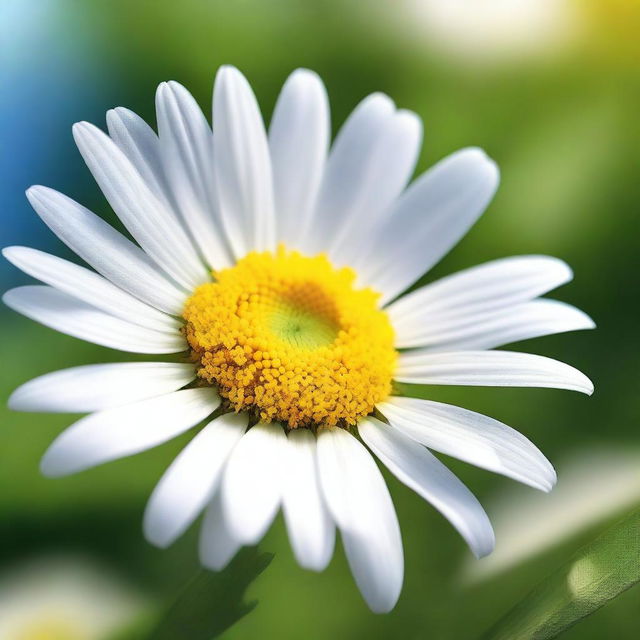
(311, 529)
(191, 480)
(488, 287)
(96, 387)
(359, 501)
(106, 250)
(186, 143)
(298, 141)
(251, 486)
(89, 287)
(370, 163)
(69, 315)
(428, 220)
(485, 331)
(346, 171)
(144, 214)
(489, 369)
(123, 431)
(379, 178)
(217, 545)
(597, 484)
(139, 142)
(421, 471)
(242, 165)
(472, 437)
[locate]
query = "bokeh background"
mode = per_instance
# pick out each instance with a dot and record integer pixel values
(550, 88)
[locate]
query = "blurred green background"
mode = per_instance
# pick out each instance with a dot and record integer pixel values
(550, 91)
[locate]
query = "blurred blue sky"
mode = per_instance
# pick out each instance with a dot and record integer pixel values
(49, 80)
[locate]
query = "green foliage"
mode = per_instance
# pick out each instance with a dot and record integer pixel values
(212, 602)
(599, 572)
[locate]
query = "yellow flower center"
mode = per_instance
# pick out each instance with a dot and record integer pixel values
(289, 338)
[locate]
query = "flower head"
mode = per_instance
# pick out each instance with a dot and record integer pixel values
(276, 268)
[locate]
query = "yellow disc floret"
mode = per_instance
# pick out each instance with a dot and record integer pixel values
(290, 338)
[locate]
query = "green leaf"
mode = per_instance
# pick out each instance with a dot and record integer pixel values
(212, 602)
(599, 572)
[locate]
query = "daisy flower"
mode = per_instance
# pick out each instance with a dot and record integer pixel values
(276, 267)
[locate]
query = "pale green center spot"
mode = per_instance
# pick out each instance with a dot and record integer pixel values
(302, 328)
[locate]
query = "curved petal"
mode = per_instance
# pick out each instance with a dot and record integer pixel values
(383, 176)
(472, 437)
(298, 141)
(191, 480)
(123, 431)
(485, 331)
(370, 163)
(186, 144)
(242, 165)
(217, 544)
(428, 221)
(489, 369)
(489, 287)
(251, 486)
(421, 471)
(144, 214)
(359, 501)
(139, 142)
(89, 287)
(106, 250)
(95, 387)
(345, 173)
(69, 315)
(311, 529)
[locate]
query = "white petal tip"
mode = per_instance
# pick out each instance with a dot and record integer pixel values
(51, 468)
(228, 72)
(35, 191)
(582, 320)
(157, 538)
(542, 479)
(382, 607)
(216, 560)
(410, 119)
(314, 564)
(7, 298)
(80, 127)
(493, 171)
(160, 543)
(544, 486)
(483, 542)
(304, 75)
(381, 100)
(484, 550)
(587, 387)
(565, 272)
(56, 463)
(168, 88)
(474, 153)
(216, 566)
(9, 253)
(82, 132)
(16, 402)
(480, 157)
(246, 537)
